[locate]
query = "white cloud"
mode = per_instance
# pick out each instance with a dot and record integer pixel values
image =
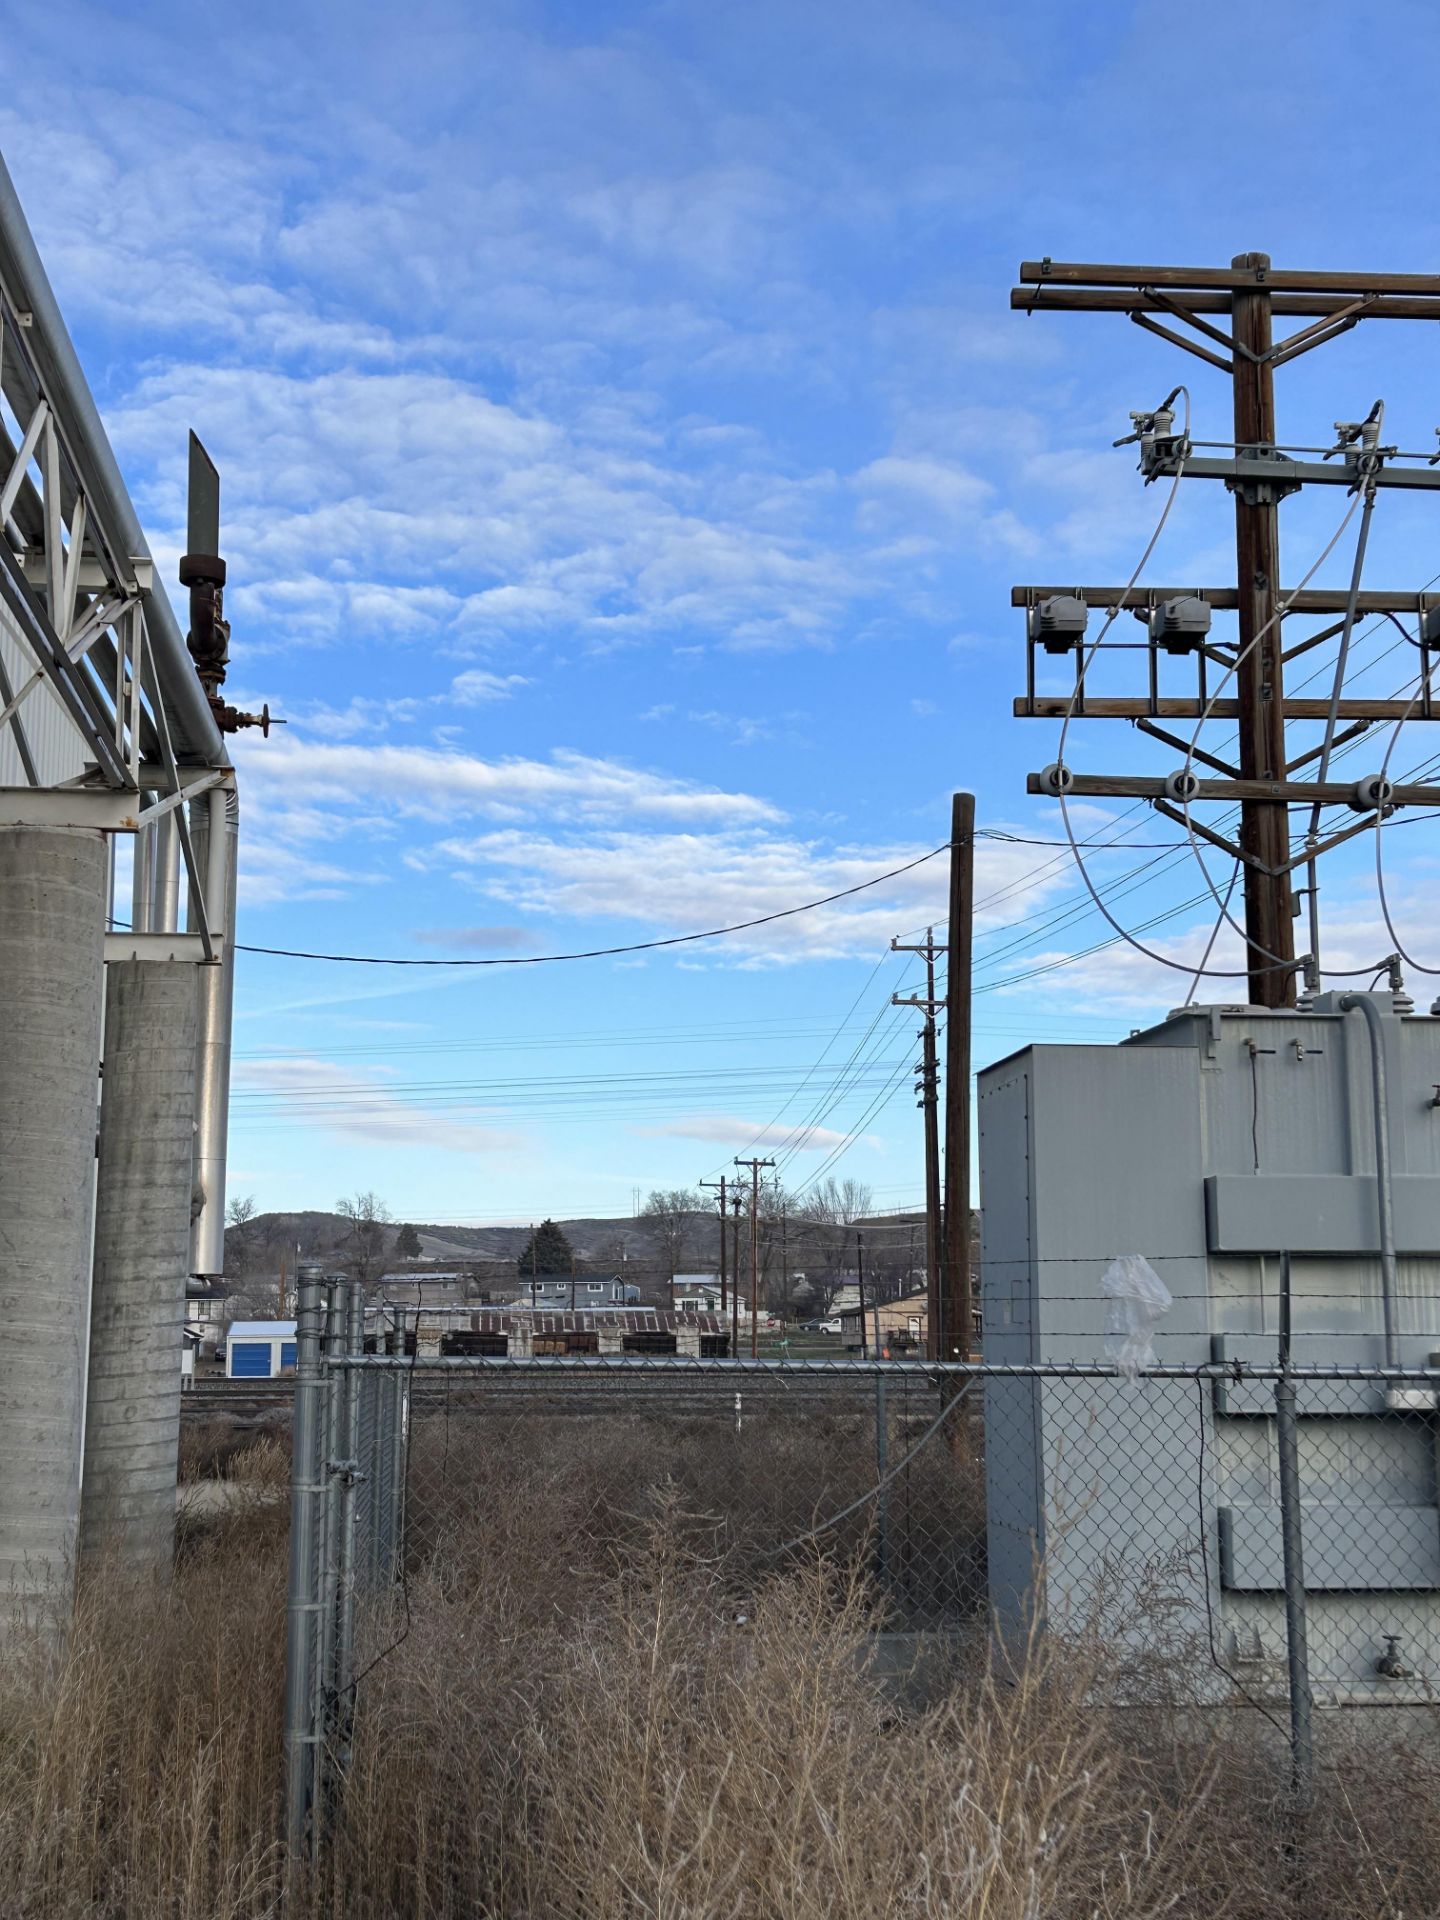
(405, 504)
(726, 1129)
(475, 687)
(325, 785)
(355, 1104)
(676, 882)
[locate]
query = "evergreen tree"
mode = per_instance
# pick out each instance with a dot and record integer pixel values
(407, 1243)
(546, 1253)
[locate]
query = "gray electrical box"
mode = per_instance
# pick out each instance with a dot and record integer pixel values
(1209, 1145)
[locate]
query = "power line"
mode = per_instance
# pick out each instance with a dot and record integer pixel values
(670, 940)
(595, 953)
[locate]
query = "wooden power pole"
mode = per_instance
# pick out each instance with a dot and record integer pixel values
(754, 1166)
(1264, 824)
(956, 1318)
(1240, 681)
(735, 1205)
(722, 1184)
(928, 1088)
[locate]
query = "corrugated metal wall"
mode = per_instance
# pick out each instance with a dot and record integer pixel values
(56, 747)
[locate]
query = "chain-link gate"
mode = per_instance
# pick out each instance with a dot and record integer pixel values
(1236, 1536)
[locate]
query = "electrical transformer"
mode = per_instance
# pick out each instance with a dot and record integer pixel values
(1229, 1149)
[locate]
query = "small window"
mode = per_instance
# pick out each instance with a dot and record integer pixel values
(594, 1286)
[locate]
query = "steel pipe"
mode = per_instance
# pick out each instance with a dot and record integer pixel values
(1385, 1196)
(214, 831)
(196, 737)
(301, 1606)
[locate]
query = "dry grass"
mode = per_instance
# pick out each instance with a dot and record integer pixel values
(735, 1496)
(215, 1447)
(578, 1723)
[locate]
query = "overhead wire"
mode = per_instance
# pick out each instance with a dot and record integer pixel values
(596, 953)
(1275, 963)
(1380, 823)
(849, 1013)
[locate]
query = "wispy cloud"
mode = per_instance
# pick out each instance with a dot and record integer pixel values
(725, 1129)
(356, 1104)
(475, 939)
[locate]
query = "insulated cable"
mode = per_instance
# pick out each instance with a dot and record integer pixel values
(1084, 668)
(1276, 963)
(1421, 688)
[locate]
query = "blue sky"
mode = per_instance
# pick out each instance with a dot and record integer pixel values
(627, 451)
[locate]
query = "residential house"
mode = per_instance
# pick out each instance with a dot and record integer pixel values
(902, 1325)
(587, 1293)
(695, 1293)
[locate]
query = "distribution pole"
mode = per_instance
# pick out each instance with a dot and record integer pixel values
(1264, 824)
(1188, 307)
(754, 1166)
(860, 1291)
(735, 1205)
(721, 1184)
(951, 1337)
(928, 1089)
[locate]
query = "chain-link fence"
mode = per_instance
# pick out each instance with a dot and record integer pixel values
(1233, 1536)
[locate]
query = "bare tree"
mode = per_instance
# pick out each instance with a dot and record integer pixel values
(670, 1213)
(824, 1225)
(778, 1246)
(240, 1233)
(367, 1217)
(256, 1298)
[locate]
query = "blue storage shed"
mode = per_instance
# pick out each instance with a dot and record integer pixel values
(259, 1349)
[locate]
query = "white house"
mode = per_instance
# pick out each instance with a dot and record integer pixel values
(259, 1349)
(695, 1293)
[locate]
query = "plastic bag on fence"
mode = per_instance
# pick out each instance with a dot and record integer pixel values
(1136, 1300)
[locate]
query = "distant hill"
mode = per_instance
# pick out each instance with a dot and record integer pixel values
(321, 1234)
(262, 1244)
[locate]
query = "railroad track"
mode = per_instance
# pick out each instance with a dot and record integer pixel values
(234, 1396)
(491, 1396)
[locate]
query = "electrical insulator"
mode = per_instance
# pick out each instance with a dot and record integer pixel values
(1372, 794)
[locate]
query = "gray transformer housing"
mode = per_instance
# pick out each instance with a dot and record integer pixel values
(1210, 1144)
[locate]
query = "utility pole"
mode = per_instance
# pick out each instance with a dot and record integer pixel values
(754, 1166)
(928, 1088)
(1260, 472)
(735, 1205)
(1264, 825)
(721, 1184)
(860, 1291)
(951, 1338)
(785, 1257)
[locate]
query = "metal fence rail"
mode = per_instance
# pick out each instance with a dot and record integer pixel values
(1261, 1537)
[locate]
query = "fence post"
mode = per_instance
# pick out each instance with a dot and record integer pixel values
(347, 1481)
(380, 1478)
(394, 1464)
(332, 1346)
(302, 1598)
(1297, 1653)
(882, 1497)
